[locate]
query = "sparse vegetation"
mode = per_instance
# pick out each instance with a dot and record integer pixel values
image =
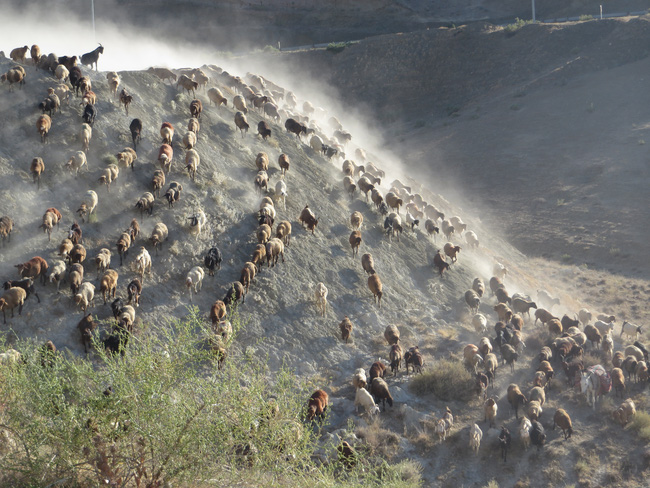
(337, 47)
(516, 25)
(585, 17)
(447, 380)
(641, 425)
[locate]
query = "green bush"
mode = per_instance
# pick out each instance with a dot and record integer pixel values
(518, 24)
(337, 47)
(447, 380)
(170, 416)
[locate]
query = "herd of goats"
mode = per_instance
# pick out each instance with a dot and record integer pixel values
(566, 341)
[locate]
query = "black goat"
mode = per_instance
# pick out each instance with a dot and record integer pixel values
(91, 58)
(90, 112)
(26, 284)
(505, 439)
(212, 260)
(136, 133)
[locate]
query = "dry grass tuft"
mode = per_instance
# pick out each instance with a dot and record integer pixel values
(641, 425)
(448, 380)
(379, 440)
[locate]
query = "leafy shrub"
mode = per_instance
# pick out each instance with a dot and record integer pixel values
(160, 414)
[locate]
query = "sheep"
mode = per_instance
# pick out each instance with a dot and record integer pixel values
(215, 96)
(414, 358)
(471, 357)
(194, 280)
(355, 242)
(490, 410)
(395, 356)
(217, 312)
(14, 75)
(317, 404)
(239, 102)
(123, 244)
(503, 312)
(127, 157)
(196, 107)
(77, 254)
(439, 263)
(109, 175)
(145, 203)
(472, 239)
(502, 296)
(167, 133)
(490, 365)
(188, 84)
(543, 316)
(281, 193)
(624, 413)
(12, 298)
(157, 181)
(635, 351)
(75, 277)
(368, 263)
(159, 235)
(173, 194)
(283, 162)
(126, 319)
(283, 232)
(349, 186)
(86, 326)
(608, 344)
(393, 225)
(321, 298)
(485, 346)
(89, 98)
(274, 249)
(166, 157)
(516, 398)
(393, 201)
(379, 390)
(63, 93)
(57, 274)
(377, 370)
(85, 296)
(108, 283)
(192, 160)
(475, 436)
(49, 221)
(43, 125)
(35, 267)
(480, 323)
(375, 286)
(604, 327)
(473, 301)
(163, 74)
(76, 162)
(447, 229)
(18, 54)
(359, 378)
(258, 256)
(391, 334)
(308, 218)
(376, 197)
(35, 53)
(593, 335)
(143, 262)
(346, 329)
(364, 398)
(618, 381)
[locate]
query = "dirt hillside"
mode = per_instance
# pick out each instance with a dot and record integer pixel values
(280, 317)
